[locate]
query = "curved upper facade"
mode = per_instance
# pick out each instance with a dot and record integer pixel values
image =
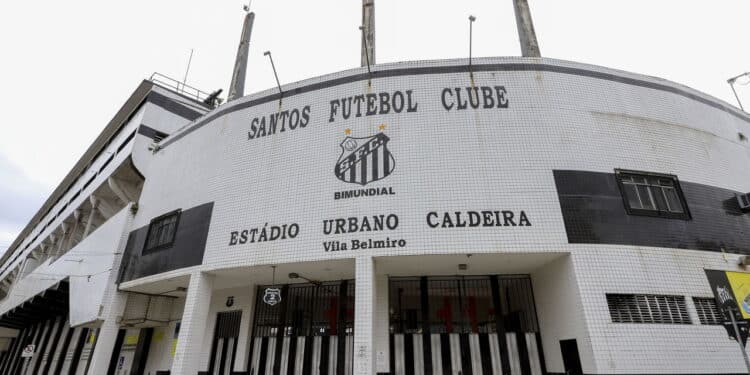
(509, 155)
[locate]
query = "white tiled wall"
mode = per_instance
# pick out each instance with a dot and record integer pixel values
(484, 159)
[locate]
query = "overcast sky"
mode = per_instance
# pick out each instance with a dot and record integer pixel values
(66, 67)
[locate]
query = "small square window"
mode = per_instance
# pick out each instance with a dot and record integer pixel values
(161, 231)
(651, 194)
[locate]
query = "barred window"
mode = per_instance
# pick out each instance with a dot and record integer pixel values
(708, 311)
(161, 231)
(652, 194)
(647, 308)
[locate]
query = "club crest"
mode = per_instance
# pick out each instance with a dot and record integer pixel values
(272, 296)
(364, 160)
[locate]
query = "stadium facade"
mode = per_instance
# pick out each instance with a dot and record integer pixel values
(514, 216)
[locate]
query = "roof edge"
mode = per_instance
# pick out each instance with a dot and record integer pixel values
(139, 95)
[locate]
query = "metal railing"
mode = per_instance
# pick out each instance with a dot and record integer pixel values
(178, 86)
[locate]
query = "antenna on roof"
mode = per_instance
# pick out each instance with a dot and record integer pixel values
(187, 70)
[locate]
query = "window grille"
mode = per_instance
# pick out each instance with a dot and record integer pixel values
(652, 194)
(708, 311)
(161, 231)
(647, 308)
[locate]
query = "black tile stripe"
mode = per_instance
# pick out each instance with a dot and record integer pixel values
(292, 358)
(485, 353)
(374, 154)
(113, 359)
(540, 352)
(465, 354)
(93, 348)
(502, 343)
(409, 354)
(341, 334)
(234, 355)
(498, 67)
(6, 354)
(392, 353)
(170, 105)
(424, 296)
(325, 343)
(141, 351)
(214, 348)
(26, 341)
(63, 351)
(223, 356)
(39, 340)
(523, 353)
(263, 356)
(307, 355)
(53, 346)
(445, 352)
(150, 132)
(363, 170)
(77, 353)
(11, 352)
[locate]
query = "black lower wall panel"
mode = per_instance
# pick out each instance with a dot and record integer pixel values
(594, 213)
(186, 251)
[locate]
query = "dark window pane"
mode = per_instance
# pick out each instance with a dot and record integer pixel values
(673, 200)
(632, 195)
(647, 202)
(162, 231)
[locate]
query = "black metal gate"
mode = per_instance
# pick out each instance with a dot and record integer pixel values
(473, 325)
(224, 347)
(309, 332)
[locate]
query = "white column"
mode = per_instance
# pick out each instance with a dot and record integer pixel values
(105, 343)
(94, 204)
(381, 325)
(364, 314)
(190, 348)
(246, 327)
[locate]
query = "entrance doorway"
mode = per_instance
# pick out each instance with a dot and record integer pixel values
(571, 359)
(466, 325)
(224, 346)
(309, 331)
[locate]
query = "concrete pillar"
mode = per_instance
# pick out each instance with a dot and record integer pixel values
(76, 222)
(246, 328)
(63, 240)
(364, 316)
(190, 348)
(94, 205)
(121, 191)
(381, 325)
(105, 342)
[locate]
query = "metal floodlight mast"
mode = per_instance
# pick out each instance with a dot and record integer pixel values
(368, 33)
(731, 82)
(526, 33)
(237, 86)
